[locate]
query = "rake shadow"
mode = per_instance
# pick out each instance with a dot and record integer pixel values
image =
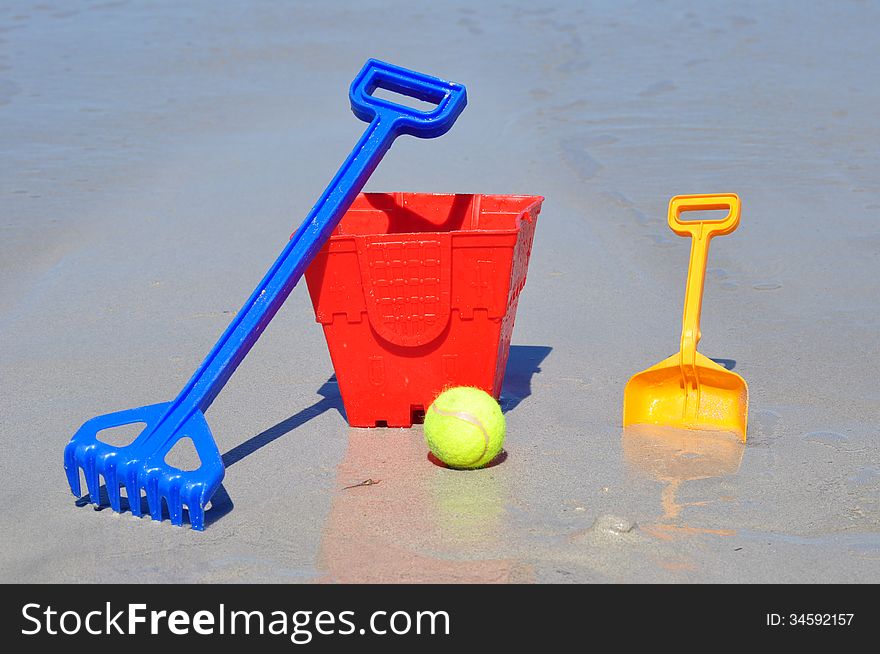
(330, 399)
(523, 363)
(221, 503)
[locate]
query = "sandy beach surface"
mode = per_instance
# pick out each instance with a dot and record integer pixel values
(156, 157)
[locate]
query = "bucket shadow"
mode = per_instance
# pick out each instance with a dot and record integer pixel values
(330, 399)
(523, 363)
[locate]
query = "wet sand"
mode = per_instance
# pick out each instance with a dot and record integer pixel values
(155, 159)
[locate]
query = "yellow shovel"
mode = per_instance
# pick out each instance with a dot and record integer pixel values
(688, 390)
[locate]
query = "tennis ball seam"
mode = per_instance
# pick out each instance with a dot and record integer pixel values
(470, 418)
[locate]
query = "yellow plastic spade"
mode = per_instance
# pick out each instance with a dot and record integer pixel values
(688, 390)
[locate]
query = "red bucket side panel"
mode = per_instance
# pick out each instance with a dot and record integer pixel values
(392, 386)
(334, 282)
(406, 280)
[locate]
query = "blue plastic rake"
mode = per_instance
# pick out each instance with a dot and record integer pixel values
(140, 465)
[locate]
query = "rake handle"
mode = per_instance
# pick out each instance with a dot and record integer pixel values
(387, 121)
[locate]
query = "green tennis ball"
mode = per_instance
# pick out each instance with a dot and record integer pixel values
(464, 427)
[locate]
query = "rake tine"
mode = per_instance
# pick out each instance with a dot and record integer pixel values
(175, 512)
(154, 499)
(71, 469)
(112, 482)
(175, 508)
(90, 469)
(196, 514)
(133, 491)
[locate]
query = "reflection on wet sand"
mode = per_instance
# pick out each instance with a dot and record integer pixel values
(674, 456)
(413, 521)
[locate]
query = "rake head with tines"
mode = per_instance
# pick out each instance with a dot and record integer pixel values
(141, 466)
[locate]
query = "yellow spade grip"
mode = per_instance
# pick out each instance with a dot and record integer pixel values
(695, 228)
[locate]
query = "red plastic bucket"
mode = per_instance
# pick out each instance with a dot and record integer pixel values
(417, 292)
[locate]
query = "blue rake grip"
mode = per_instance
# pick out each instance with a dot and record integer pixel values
(140, 466)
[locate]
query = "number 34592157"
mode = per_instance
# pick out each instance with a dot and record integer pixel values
(810, 619)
